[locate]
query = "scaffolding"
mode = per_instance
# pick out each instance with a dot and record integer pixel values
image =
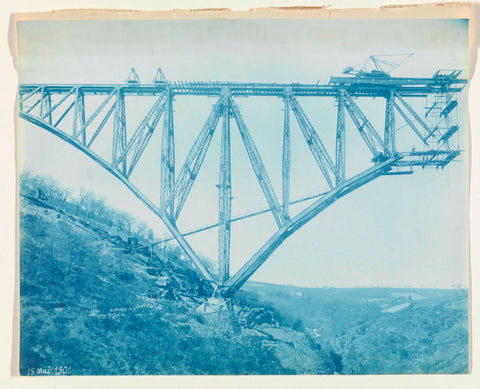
(441, 115)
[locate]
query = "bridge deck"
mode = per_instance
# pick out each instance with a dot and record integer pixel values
(356, 86)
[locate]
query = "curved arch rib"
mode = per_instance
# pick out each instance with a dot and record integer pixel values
(118, 174)
(236, 282)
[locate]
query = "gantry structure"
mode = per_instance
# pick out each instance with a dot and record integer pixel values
(61, 110)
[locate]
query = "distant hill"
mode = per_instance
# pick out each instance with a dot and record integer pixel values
(380, 330)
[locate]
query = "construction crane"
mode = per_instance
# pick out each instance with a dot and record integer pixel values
(133, 78)
(377, 66)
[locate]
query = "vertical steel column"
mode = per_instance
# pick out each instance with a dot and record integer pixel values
(79, 114)
(45, 105)
(75, 110)
(48, 107)
(389, 136)
(119, 131)
(224, 197)
(116, 121)
(286, 158)
(123, 131)
(340, 144)
(168, 156)
(82, 117)
(42, 104)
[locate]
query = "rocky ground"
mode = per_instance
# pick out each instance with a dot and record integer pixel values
(92, 305)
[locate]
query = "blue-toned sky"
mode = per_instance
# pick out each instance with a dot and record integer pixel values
(395, 231)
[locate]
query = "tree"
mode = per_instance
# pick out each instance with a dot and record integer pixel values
(124, 221)
(64, 194)
(142, 229)
(87, 200)
(42, 187)
(26, 183)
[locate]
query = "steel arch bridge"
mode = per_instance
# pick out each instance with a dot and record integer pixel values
(61, 110)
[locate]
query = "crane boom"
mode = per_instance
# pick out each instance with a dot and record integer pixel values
(377, 65)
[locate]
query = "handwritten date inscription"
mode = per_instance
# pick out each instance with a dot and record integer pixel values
(50, 370)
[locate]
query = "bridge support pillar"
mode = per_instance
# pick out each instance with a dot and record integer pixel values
(79, 114)
(46, 107)
(389, 137)
(119, 131)
(167, 172)
(224, 197)
(340, 143)
(286, 158)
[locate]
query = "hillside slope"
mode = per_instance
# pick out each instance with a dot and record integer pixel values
(91, 306)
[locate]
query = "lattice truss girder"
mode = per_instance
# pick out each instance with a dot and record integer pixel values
(64, 114)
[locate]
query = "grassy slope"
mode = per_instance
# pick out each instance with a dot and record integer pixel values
(89, 305)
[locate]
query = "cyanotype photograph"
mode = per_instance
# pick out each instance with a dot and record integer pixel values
(243, 196)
